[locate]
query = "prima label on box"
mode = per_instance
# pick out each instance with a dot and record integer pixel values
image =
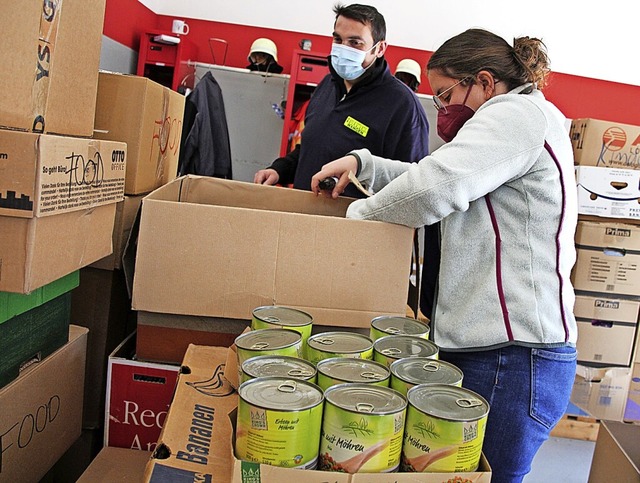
(42, 175)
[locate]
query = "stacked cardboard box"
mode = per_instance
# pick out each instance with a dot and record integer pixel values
(606, 275)
(58, 192)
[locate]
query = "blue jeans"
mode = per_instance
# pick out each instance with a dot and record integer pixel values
(528, 391)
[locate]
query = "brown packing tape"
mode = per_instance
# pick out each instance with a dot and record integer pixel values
(49, 22)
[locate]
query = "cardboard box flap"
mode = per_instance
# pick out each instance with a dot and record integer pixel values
(239, 194)
(197, 421)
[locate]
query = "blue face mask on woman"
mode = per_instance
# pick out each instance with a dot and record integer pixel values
(347, 61)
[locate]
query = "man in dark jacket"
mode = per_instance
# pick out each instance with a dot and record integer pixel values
(360, 104)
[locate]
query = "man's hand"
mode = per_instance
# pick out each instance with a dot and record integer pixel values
(266, 176)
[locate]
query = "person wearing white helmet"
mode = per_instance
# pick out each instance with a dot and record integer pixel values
(408, 71)
(263, 56)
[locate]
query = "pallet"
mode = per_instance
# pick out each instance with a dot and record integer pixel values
(577, 427)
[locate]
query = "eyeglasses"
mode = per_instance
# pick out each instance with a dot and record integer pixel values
(436, 98)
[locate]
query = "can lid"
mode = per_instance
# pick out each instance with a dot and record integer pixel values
(448, 402)
(340, 342)
(281, 366)
(280, 393)
(265, 339)
(366, 398)
(399, 346)
(399, 325)
(423, 370)
(353, 370)
(284, 316)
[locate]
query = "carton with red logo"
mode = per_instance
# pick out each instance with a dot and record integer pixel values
(605, 144)
(138, 398)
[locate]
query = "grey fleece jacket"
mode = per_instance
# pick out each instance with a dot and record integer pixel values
(509, 213)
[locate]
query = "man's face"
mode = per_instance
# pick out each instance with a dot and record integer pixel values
(358, 36)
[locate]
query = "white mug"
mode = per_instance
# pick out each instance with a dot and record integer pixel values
(180, 27)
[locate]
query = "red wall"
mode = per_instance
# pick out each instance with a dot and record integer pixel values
(576, 96)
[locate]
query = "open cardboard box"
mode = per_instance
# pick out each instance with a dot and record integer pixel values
(197, 438)
(221, 248)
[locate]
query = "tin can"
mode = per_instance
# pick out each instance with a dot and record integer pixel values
(445, 429)
(282, 342)
(412, 371)
(279, 422)
(278, 366)
(395, 325)
(338, 344)
(393, 347)
(362, 429)
(338, 370)
(277, 317)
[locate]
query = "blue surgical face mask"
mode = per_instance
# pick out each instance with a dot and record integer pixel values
(347, 61)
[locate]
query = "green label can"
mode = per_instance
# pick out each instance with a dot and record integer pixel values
(338, 344)
(393, 347)
(278, 366)
(278, 317)
(412, 371)
(338, 370)
(396, 325)
(279, 422)
(283, 342)
(362, 429)
(445, 429)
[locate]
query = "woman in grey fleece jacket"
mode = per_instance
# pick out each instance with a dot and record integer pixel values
(503, 188)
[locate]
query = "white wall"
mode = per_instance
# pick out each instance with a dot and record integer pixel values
(590, 39)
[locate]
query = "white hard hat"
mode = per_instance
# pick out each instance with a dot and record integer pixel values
(409, 66)
(264, 45)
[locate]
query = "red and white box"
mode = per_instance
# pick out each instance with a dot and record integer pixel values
(138, 398)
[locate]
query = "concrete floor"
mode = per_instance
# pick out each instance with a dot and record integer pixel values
(562, 460)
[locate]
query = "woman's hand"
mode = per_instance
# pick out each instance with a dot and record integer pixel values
(339, 169)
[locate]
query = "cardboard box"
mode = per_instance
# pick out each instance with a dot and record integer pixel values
(41, 412)
(101, 304)
(602, 392)
(50, 56)
(606, 144)
(43, 175)
(30, 337)
(632, 409)
(148, 117)
(608, 258)
(37, 251)
(606, 329)
(221, 248)
(205, 398)
(126, 211)
(166, 337)
(608, 192)
(138, 397)
(616, 456)
(12, 304)
(195, 444)
(116, 464)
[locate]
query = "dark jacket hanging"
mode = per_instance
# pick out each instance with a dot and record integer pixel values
(205, 149)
